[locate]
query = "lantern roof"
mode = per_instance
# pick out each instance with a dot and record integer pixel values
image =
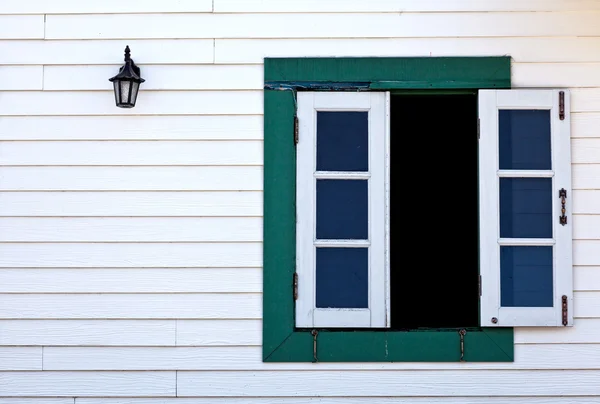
(129, 71)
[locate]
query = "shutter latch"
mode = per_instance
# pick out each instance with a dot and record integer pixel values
(562, 194)
(561, 105)
(315, 333)
(295, 285)
(565, 310)
(462, 334)
(296, 130)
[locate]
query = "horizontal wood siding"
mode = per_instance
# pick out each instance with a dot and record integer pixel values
(131, 240)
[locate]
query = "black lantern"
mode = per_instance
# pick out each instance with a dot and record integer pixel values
(127, 82)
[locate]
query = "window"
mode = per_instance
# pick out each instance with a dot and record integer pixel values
(354, 300)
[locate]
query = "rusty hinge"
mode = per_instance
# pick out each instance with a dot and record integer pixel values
(295, 285)
(296, 130)
(565, 310)
(561, 105)
(562, 194)
(315, 334)
(462, 334)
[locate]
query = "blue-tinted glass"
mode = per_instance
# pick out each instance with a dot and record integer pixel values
(342, 209)
(525, 140)
(526, 207)
(526, 276)
(343, 277)
(342, 141)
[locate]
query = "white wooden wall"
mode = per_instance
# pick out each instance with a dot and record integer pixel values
(130, 240)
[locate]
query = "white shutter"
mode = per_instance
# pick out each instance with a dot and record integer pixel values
(525, 252)
(373, 247)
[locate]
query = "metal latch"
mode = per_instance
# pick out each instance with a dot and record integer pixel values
(562, 194)
(462, 334)
(565, 310)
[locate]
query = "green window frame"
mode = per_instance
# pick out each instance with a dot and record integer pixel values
(282, 342)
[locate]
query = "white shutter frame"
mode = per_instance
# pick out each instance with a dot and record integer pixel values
(492, 314)
(378, 313)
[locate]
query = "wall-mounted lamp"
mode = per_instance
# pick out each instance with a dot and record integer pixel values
(127, 82)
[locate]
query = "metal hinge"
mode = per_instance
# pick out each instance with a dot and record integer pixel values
(295, 286)
(479, 285)
(562, 194)
(561, 105)
(296, 130)
(565, 310)
(478, 128)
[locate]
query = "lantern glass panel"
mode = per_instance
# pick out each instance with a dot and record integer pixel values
(134, 92)
(125, 91)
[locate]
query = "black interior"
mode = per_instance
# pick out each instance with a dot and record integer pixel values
(434, 212)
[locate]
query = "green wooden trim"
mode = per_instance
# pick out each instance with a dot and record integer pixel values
(281, 341)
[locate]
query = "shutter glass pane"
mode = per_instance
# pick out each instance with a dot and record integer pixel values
(342, 209)
(526, 207)
(525, 140)
(526, 276)
(342, 278)
(342, 141)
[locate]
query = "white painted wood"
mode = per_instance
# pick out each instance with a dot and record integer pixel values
(129, 306)
(307, 314)
(585, 100)
(131, 127)
(585, 176)
(45, 400)
(130, 255)
(585, 252)
(585, 202)
(127, 153)
(587, 304)
(131, 178)
(114, 204)
(21, 78)
(148, 103)
(158, 77)
(581, 49)
(350, 25)
(88, 332)
(586, 278)
(585, 125)
(585, 151)
(555, 75)
(219, 332)
(333, 400)
(135, 280)
(405, 6)
(584, 331)
(525, 241)
(490, 101)
(586, 227)
(528, 357)
(388, 383)
(110, 52)
(81, 384)
(525, 174)
(20, 358)
(21, 26)
(106, 6)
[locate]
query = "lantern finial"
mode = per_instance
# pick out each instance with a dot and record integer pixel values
(127, 54)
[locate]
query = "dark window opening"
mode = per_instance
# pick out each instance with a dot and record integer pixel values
(434, 254)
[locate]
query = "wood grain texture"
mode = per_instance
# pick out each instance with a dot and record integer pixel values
(131, 179)
(20, 358)
(219, 332)
(581, 49)
(131, 204)
(81, 384)
(21, 78)
(130, 255)
(131, 280)
(106, 6)
(527, 357)
(149, 103)
(132, 127)
(158, 77)
(123, 306)
(88, 332)
(351, 25)
(389, 383)
(108, 52)
(22, 26)
(131, 153)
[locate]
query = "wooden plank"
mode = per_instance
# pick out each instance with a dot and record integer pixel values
(132, 153)
(219, 333)
(135, 280)
(587, 304)
(47, 52)
(585, 125)
(20, 358)
(587, 278)
(585, 100)
(529, 357)
(22, 26)
(21, 78)
(131, 204)
(69, 384)
(586, 227)
(579, 49)
(132, 127)
(405, 6)
(148, 103)
(585, 252)
(131, 178)
(106, 6)
(388, 383)
(584, 331)
(334, 400)
(129, 306)
(88, 332)
(585, 151)
(585, 176)
(158, 77)
(29, 400)
(584, 202)
(130, 255)
(545, 75)
(350, 25)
